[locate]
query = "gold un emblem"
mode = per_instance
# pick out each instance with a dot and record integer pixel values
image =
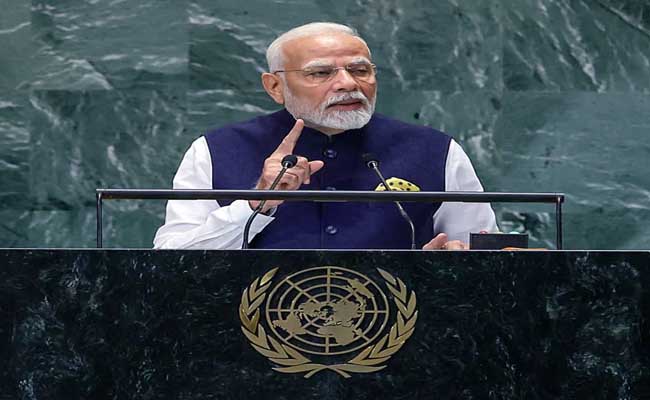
(327, 318)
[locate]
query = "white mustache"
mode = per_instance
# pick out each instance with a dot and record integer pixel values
(345, 97)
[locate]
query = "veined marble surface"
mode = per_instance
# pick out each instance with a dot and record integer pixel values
(544, 95)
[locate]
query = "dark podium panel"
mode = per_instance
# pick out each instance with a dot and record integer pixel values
(138, 324)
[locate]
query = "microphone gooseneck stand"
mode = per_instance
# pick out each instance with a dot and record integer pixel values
(372, 163)
(289, 161)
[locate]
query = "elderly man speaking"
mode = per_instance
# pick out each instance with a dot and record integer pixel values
(323, 75)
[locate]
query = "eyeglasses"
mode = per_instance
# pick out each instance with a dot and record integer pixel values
(317, 75)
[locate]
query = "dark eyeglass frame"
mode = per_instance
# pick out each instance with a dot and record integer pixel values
(334, 70)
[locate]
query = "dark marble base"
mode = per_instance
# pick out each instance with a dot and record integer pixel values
(90, 324)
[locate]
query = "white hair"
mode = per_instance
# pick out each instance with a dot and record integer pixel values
(275, 55)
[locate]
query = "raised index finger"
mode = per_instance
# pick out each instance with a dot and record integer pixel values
(289, 142)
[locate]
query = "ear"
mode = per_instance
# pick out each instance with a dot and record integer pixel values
(273, 86)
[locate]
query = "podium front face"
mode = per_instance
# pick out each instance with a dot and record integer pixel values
(131, 324)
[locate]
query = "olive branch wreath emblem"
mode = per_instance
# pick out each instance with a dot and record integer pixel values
(292, 361)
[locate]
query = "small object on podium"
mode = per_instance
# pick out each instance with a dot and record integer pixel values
(497, 241)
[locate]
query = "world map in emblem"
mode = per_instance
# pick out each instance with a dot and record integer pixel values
(327, 310)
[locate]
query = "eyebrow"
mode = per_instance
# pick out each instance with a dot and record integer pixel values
(324, 63)
(317, 63)
(357, 60)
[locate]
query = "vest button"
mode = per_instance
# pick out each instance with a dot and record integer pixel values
(330, 153)
(330, 188)
(331, 229)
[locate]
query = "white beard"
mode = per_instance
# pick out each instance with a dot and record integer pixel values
(320, 116)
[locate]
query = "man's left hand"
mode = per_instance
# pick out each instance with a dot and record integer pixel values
(440, 243)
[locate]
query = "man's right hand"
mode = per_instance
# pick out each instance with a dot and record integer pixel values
(294, 177)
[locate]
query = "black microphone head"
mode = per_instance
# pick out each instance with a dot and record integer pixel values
(370, 160)
(289, 161)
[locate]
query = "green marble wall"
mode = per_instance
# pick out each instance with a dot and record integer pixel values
(545, 95)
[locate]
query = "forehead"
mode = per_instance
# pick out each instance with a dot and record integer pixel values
(331, 47)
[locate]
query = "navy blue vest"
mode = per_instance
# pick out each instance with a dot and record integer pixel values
(414, 153)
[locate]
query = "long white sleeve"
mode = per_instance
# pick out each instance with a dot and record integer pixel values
(457, 220)
(203, 224)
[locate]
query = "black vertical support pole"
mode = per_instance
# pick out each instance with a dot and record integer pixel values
(558, 222)
(99, 220)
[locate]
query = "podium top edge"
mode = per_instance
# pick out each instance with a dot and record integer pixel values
(327, 195)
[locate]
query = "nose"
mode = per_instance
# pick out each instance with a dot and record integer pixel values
(344, 82)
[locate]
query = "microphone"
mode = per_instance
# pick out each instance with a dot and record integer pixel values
(289, 161)
(372, 162)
